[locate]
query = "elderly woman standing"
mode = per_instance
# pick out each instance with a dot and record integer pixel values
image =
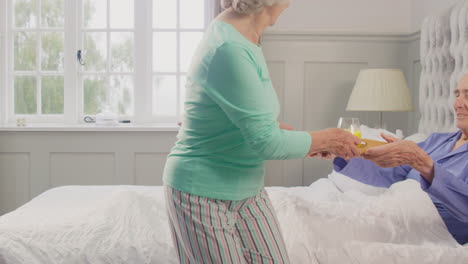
(214, 176)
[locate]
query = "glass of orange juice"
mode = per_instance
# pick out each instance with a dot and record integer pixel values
(350, 124)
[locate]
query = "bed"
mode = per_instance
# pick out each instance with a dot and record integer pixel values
(334, 220)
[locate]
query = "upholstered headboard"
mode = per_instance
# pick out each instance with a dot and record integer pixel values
(444, 59)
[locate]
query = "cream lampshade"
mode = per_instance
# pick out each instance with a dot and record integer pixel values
(380, 90)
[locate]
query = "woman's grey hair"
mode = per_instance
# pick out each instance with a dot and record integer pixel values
(247, 7)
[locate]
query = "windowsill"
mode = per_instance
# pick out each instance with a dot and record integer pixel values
(92, 128)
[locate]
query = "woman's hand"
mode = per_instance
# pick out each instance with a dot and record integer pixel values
(285, 126)
(320, 155)
(401, 152)
(323, 155)
(334, 141)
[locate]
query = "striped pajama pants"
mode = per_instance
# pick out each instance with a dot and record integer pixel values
(206, 230)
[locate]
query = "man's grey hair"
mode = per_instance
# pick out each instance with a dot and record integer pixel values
(247, 7)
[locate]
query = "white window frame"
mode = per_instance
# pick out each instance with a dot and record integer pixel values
(73, 105)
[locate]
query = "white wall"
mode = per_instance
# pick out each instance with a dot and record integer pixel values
(364, 16)
(3, 53)
(422, 8)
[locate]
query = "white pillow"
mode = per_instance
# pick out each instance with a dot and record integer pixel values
(346, 184)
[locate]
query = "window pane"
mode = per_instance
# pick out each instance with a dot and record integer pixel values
(121, 14)
(95, 13)
(122, 52)
(95, 95)
(164, 51)
(165, 95)
(95, 53)
(25, 13)
(164, 13)
(52, 13)
(188, 44)
(192, 14)
(52, 94)
(25, 95)
(52, 51)
(182, 94)
(25, 51)
(122, 93)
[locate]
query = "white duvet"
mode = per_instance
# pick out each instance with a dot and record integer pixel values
(320, 224)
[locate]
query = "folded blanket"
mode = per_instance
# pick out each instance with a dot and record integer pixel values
(399, 225)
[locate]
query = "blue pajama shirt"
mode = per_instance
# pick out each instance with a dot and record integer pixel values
(448, 190)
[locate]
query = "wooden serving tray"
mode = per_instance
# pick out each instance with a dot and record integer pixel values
(369, 143)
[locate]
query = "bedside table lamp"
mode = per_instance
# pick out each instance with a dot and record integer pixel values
(382, 90)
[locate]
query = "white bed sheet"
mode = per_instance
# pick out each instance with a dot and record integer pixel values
(320, 223)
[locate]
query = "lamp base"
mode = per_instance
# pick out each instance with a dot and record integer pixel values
(380, 124)
(380, 119)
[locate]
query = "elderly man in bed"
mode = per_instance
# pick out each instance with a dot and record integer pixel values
(440, 164)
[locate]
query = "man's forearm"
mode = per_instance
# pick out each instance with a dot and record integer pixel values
(424, 164)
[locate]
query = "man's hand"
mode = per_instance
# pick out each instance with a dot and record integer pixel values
(389, 139)
(401, 152)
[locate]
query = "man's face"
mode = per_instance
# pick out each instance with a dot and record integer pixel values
(461, 103)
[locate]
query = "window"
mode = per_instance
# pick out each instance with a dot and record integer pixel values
(108, 46)
(135, 55)
(37, 72)
(174, 42)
